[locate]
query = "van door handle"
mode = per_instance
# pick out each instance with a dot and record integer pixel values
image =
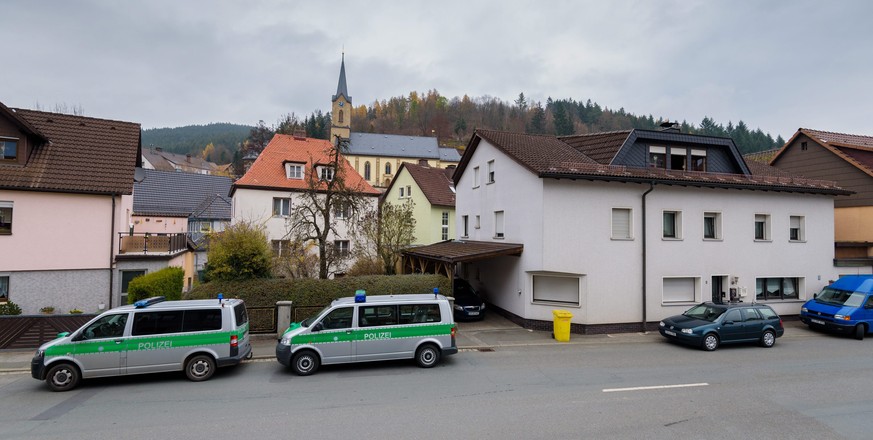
(118, 341)
(348, 332)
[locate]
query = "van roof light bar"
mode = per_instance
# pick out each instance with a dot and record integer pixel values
(143, 303)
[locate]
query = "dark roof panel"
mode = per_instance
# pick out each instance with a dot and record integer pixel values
(175, 194)
(435, 183)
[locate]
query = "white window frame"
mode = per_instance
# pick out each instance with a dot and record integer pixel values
(4, 288)
(659, 150)
(294, 170)
(618, 234)
(491, 171)
(544, 284)
(343, 247)
(341, 211)
(444, 229)
(499, 224)
(677, 224)
(716, 216)
(765, 219)
(696, 154)
(279, 210)
(478, 222)
(797, 222)
(326, 173)
(671, 294)
(408, 191)
(465, 223)
(9, 208)
(402, 193)
(475, 177)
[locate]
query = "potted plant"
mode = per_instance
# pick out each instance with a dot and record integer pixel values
(47, 310)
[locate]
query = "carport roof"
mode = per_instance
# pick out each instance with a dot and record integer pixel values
(459, 251)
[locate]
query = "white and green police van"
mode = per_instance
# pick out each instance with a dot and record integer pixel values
(375, 328)
(150, 336)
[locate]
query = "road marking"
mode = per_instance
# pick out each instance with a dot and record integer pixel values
(657, 387)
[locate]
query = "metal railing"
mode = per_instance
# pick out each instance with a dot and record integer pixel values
(149, 243)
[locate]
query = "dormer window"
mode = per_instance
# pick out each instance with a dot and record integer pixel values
(658, 157)
(325, 173)
(698, 160)
(8, 149)
(294, 171)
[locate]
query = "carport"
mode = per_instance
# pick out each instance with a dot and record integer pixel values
(442, 258)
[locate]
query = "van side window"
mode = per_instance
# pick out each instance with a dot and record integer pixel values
(419, 313)
(109, 326)
(157, 323)
(338, 319)
(370, 316)
(201, 320)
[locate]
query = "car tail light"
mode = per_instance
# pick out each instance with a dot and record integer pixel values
(780, 323)
(454, 331)
(234, 341)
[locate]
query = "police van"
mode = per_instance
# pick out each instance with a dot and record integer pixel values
(376, 328)
(150, 336)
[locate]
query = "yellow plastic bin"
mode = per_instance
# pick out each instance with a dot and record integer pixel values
(562, 325)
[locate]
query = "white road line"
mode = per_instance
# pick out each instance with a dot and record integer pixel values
(657, 387)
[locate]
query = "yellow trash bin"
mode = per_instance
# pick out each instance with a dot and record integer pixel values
(562, 325)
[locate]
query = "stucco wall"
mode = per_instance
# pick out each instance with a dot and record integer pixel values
(64, 290)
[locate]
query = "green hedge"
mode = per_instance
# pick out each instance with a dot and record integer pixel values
(10, 308)
(166, 282)
(315, 292)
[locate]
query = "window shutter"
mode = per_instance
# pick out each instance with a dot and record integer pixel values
(621, 223)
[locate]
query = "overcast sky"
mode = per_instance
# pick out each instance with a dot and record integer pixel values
(777, 65)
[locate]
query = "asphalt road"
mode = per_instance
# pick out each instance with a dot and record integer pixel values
(814, 386)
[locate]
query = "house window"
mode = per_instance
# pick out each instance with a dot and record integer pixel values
(796, 228)
(712, 225)
(402, 192)
(342, 247)
(5, 218)
(678, 159)
(673, 224)
(658, 157)
(682, 289)
(478, 223)
(4, 289)
(556, 289)
(445, 227)
(126, 277)
(408, 191)
(388, 168)
(342, 210)
(498, 224)
(294, 171)
(475, 177)
(490, 171)
(367, 170)
(803, 146)
(698, 160)
(762, 227)
(8, 149)
(205, 226)
(340, 117)
(621, 224)
(281, 248)
(281, 207)
(465, 225)
(775, 288)
(326, 173)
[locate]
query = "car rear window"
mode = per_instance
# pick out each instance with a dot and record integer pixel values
(239, 311)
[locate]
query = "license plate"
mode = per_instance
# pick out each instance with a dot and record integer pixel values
(473, 313)
(817, 321)
(668, 332)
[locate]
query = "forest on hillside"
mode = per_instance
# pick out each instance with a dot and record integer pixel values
(451, 120)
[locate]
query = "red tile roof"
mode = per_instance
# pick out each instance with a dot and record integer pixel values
(435, 183)
(268, 171)
(83, 155)
(602, 147)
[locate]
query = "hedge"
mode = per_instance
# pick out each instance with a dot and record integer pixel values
(166, 282)
(265, 292)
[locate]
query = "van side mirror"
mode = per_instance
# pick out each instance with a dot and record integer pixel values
(317, 327)
(63, 334)
(814, 295)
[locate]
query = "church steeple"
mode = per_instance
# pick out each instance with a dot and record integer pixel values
(340, 118)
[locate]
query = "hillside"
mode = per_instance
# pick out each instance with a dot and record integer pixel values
(193, 139)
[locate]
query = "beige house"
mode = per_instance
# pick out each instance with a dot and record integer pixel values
(432, 193)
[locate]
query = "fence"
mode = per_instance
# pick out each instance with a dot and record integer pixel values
(31, 331)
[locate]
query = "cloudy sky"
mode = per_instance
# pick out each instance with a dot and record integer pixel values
(777, 65)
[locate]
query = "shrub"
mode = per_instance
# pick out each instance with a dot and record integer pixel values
(166, 282)
(316, 292)
(10, 308)
(47, 310)
(75, 311)
(239, 252)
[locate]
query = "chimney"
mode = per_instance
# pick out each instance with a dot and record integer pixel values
(188, 158)
(423, 162)
(159, 149)
(670, 126)
(299, 135)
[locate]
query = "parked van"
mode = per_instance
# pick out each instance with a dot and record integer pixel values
(375, 328)
(150, 336)
(845, 306)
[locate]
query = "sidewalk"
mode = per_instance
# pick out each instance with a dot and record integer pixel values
(488, 334)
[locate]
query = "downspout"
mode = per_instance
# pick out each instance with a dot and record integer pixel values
(645, 273)
(111, 252)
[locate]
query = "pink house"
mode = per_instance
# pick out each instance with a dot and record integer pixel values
(66, 185)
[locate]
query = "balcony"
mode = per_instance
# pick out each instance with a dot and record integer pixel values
(140, 243)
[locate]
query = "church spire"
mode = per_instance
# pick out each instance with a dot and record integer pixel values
(341, 88)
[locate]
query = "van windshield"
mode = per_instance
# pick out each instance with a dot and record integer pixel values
(839, 297)
(308, 321)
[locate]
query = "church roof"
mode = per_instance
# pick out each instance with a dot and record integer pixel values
(341, 88)
(393, 145)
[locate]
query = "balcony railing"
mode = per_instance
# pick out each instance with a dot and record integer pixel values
(152, 244)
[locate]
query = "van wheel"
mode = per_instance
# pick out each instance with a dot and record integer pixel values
(427, 356)
(768, 339)
(710, 342)
(200, 368)
(860, 330)
(304, 363)
(62, 377)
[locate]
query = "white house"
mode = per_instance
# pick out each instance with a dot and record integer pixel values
(625, 228)
(279, 177)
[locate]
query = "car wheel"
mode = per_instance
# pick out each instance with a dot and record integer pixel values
(427, 356)
(304, 363)
(62, 377)
(860, 330)
(200, 368)
(710, 342)
(768, 339)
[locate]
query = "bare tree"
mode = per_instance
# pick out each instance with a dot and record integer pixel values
(392, 229)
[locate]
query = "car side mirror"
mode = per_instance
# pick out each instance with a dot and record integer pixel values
(318, 327)
(728, 323)
(814, 295)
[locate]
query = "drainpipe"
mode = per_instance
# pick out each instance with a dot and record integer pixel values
(111, 252)
(645, 273)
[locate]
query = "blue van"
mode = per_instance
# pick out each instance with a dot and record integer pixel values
(845, 306)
